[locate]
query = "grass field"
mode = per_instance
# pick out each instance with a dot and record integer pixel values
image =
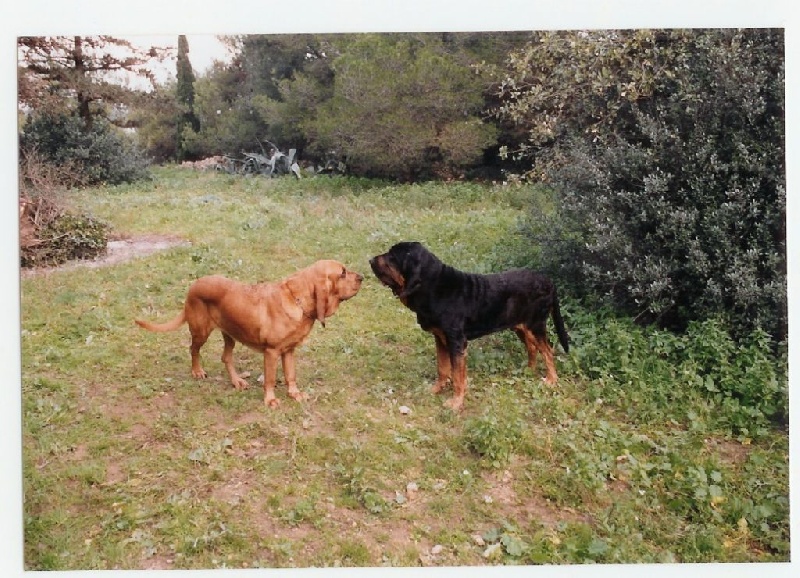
(129, 463)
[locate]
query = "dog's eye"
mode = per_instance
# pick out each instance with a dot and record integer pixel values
(344, 273)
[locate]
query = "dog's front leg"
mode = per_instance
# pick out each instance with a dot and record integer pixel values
(289, 374)
(458, 366)
(270, 369)
(443, 369)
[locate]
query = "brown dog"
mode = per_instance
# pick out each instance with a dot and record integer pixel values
(273, 318)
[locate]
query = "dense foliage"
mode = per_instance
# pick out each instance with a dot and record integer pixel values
(666, 149)
(402, 108)
(398, 106)
(102, 153)
(702, 375)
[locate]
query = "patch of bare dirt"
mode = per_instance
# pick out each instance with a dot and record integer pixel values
(501, 493)
(236, 487)
(732, 452)
(117, 251)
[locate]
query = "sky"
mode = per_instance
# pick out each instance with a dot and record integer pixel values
(204, 49)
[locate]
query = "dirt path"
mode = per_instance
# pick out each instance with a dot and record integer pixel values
(118, 251)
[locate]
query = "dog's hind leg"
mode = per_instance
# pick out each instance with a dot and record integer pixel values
(199, 338)
(539, 334)
(227, 359)
(529, 340)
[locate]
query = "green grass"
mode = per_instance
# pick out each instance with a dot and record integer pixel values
(130, 463)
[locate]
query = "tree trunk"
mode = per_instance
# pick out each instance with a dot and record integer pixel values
(80, 72)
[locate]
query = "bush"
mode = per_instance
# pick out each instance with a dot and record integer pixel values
(494, 436)
(701, 377)
(101, 153)
(63, 236)
(743, 380)
(49, 234)
(668, 161)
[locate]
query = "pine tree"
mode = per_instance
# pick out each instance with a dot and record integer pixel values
(63, 73)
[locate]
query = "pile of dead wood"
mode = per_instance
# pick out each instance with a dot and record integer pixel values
(204, 164)
(33, 216)
(50, 235)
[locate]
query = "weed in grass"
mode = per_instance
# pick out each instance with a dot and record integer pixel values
(304, 510)
(494, 436)
(352, 553)
(357, 492)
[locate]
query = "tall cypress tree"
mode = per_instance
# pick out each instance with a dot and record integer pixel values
(184, 94)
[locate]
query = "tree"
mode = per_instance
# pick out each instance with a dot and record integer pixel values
(228, 123)
(298, 88)
(184, 93)
(72, 93)
(156, 116)
(666, 149)
(59, 71)
(402, 107)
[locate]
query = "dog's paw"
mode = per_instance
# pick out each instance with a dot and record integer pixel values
(298, 395)
(240, 384)
(455, 403)
(439, 386)
(199, 374)
(272, 403)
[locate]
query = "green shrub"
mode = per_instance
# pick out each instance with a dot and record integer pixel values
(744, 380)
(668, 160)
(494, 436)
(101, 153)
(701, 377)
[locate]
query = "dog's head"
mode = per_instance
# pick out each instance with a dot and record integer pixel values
(403, 267)
(327, 283)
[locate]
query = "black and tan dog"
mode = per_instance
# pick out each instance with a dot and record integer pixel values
(457, 307)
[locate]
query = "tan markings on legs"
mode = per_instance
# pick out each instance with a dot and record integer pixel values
(547, 352)
(529, 339)
(459, 366)
(270, 368)
(227, 359)
(290, 375)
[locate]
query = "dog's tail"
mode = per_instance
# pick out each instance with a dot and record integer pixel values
(563, 338)
(168, 326)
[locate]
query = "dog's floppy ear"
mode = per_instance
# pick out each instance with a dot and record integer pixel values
(412, 267)
(326, 296)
